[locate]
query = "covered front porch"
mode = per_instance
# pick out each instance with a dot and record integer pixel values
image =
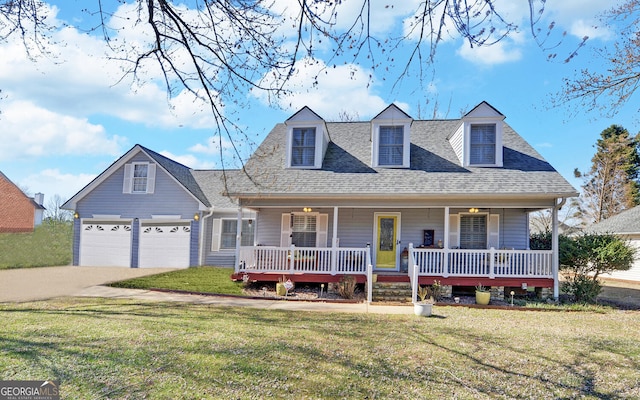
(455, 267)
(389, 233)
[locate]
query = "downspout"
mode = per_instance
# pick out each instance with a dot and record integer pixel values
(202, 235)
(555, 247)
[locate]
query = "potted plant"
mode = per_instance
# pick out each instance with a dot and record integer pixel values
(483, 296)
(425, 305)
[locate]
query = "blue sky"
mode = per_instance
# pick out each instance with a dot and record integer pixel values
(65, 118)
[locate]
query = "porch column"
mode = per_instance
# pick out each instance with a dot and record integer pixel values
(334, 242)
(238, 239)
(554, 247)
(445, 243)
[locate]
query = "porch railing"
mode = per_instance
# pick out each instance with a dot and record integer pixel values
(294, 259)
(488, 263)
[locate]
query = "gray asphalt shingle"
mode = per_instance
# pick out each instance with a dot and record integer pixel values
(435, 168)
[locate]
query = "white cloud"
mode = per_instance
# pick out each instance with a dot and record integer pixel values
(212, 146)
(80, 80)
(345, 88)
(499, 53)
(189, 160)
(52, 182)
(27, 130)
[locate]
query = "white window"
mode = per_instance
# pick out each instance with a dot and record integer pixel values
(391, 145)
(303, 147)
(229, 231)
(139, 177)
(303, 230)
(473, 231)
(140, 172)
(482, 148)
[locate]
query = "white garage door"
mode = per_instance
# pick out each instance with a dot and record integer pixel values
(165, 244)
(105, 243)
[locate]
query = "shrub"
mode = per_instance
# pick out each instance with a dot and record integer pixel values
(584, 258)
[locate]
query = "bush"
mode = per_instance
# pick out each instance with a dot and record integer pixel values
(582, 288)
(540, 241)
(584, 258)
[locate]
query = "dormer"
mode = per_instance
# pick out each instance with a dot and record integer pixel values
(307, 140)
(391, 138)
(478, 140)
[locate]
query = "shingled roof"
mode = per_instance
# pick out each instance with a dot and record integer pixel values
(435, 169)
(626, 222)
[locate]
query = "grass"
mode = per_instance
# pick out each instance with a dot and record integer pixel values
(108, 348)
(48, 245)
(196, 279)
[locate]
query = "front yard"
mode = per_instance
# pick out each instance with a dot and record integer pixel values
(129, 349)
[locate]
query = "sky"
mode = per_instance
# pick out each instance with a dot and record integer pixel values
(68, 114)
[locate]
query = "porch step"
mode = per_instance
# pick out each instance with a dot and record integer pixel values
(397, 292)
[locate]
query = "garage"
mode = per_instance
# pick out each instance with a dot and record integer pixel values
(165, 244)
(105, 243)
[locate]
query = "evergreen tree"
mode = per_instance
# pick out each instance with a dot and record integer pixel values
(611, 185)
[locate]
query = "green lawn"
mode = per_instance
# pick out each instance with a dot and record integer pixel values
(196, 279)
(106, 348)
(47, 246)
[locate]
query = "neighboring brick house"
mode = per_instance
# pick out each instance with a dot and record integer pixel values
(18, 212)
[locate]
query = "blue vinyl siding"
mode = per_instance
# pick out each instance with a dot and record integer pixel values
(355, 226)
(169, 197)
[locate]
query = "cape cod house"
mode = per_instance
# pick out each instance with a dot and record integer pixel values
(406, 199)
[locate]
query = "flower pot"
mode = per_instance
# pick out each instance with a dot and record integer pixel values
(422, 309)
(483, 298)
(280, 289)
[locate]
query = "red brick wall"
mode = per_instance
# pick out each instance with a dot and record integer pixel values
(16, 209)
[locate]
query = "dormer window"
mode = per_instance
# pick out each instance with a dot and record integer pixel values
(307, 140)
(482, 146)
(303, 147)
(478, 140)
(391, 151)
(390, 138)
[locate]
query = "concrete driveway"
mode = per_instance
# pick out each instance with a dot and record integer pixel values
(28, 284)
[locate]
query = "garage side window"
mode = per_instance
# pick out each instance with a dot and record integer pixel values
(139, 178)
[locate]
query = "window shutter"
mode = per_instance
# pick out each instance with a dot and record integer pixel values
(128, 178)
(323, 226)
(285, 233)
(493, 239)
(454, 235)
(215, 234)
(151, 178)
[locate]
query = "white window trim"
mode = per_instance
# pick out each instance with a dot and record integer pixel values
(216, 237)
(375, 145)
(319, 127)
(493, 229)
(127, 184)
(467, 141)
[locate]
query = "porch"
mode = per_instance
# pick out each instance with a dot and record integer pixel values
(455, 267)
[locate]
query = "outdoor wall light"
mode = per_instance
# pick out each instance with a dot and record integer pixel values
(76, 215)
(307, 209)
(473, 210)
(196, 216)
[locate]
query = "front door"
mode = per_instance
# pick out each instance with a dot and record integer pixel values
(386, 241)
